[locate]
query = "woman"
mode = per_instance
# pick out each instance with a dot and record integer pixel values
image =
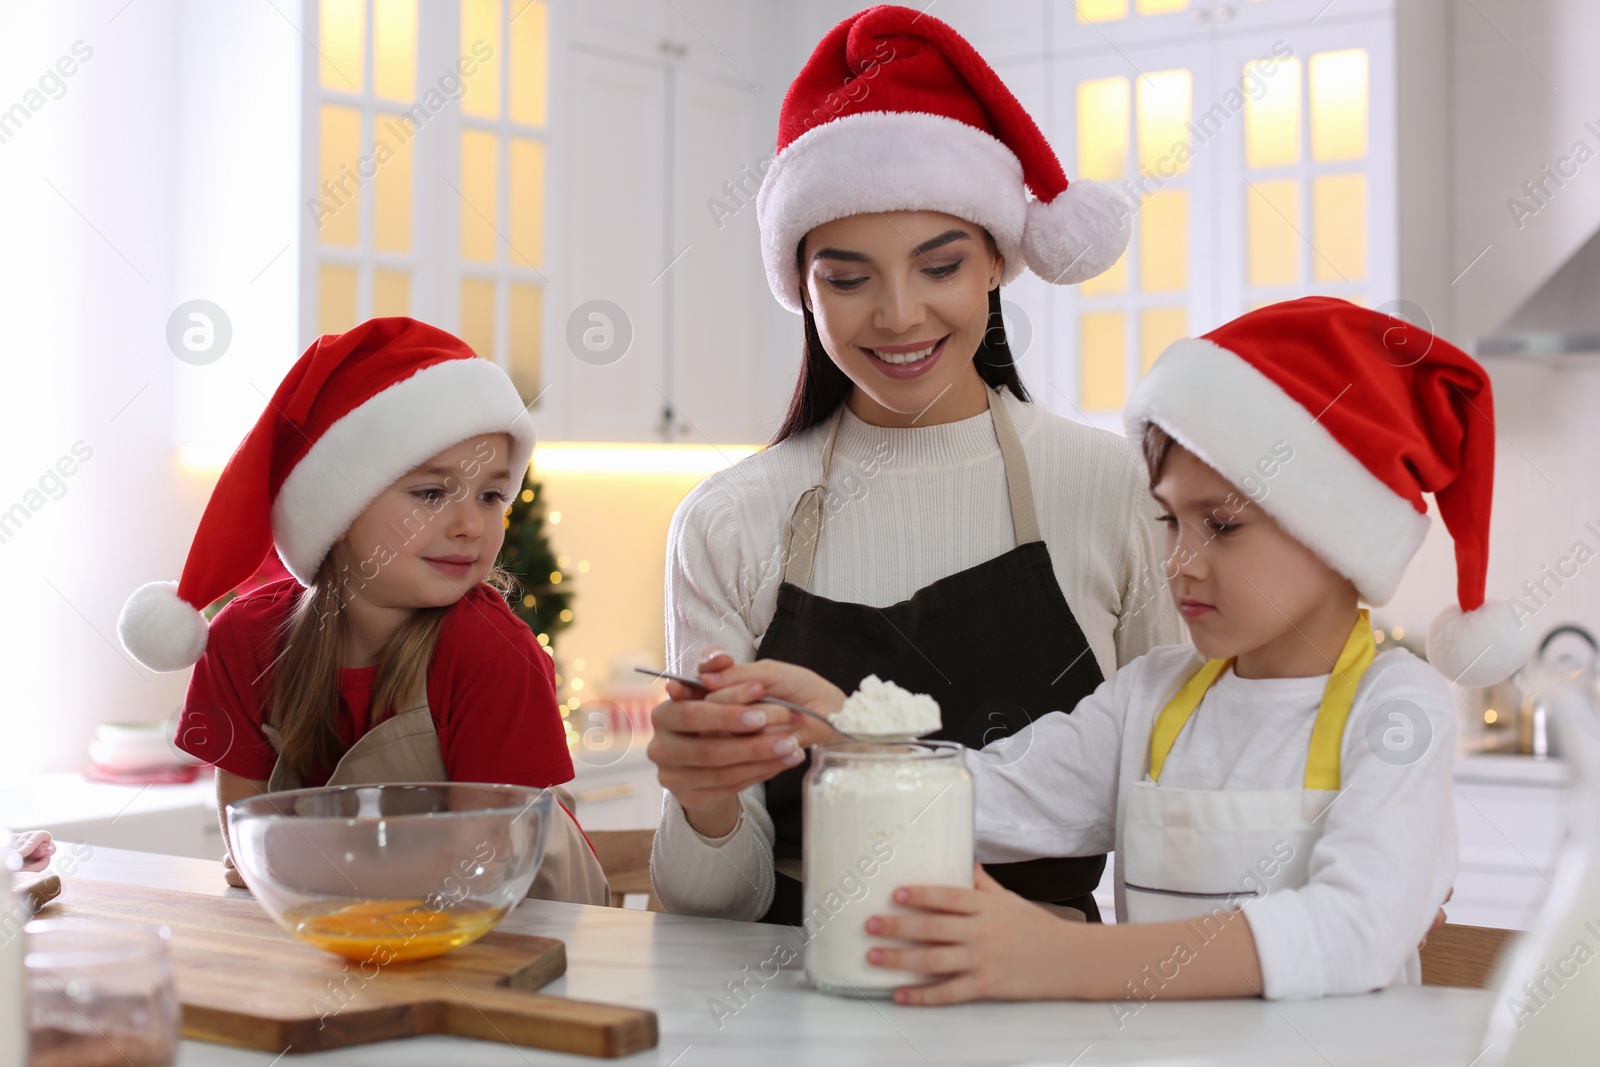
(891, 527)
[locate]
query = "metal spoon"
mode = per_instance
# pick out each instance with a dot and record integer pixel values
(801, 708)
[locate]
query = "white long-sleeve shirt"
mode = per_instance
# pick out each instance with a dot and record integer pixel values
(1387, 854)
(906, 507)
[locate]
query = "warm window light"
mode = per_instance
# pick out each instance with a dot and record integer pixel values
(1101, 10)
(1103, 128)
(1339, 104)
(204, 457)
(1163, 106)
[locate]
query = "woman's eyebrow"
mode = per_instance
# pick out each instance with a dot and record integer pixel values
(940, 241)
(925, 247)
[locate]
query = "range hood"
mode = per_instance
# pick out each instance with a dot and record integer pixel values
(1562, 316)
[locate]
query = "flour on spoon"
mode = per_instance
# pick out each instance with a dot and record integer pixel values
(883, 709)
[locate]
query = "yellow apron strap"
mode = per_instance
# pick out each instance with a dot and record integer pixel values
(1322, 760)
(1169, 724)
(1327, 736)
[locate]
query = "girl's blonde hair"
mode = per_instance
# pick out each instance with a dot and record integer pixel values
(305, 681)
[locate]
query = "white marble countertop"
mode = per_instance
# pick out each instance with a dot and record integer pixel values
(676, 965)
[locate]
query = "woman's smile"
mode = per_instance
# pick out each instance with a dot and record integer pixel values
(907, 361)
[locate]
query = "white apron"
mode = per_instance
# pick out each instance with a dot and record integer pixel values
(405, 748)
(1188, 853)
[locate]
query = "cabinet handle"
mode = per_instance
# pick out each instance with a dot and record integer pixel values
(1223, 13)
(609, 792)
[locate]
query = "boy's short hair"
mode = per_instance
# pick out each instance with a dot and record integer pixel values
(1157, 445)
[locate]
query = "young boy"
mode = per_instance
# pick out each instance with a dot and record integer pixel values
(1278, 795)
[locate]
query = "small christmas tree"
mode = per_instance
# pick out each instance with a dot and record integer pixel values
(540, 600)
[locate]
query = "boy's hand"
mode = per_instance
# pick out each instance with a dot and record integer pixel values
(987, 943)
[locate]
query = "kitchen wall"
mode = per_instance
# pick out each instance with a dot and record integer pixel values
(613, 532)
(131, 185)
(1521, 85)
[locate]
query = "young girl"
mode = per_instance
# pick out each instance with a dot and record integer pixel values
(1279, 795)
(381, 470)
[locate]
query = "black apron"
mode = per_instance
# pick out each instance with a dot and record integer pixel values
(996, 645)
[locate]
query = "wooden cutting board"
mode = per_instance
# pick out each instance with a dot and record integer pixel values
(243, 981)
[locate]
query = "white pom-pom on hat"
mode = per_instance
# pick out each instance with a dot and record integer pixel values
(1077, 236)
(1481, 646)
(160, 629)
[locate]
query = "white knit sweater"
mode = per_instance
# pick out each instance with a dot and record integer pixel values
(905, 508)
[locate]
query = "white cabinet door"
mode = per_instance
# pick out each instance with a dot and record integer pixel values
(720, 38)
(716, 286)
(630, 27)
(618, 196)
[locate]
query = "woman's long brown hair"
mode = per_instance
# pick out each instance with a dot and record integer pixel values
(305, 679)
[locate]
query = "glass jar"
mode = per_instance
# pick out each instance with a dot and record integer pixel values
(877, 817)
(100, 994)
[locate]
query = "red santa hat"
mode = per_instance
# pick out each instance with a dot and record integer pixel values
(895, 111)
(1376, 412)
(356, 411)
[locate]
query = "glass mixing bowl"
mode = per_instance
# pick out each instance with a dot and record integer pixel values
(388, 873)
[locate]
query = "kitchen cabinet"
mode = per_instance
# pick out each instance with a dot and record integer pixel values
(1511, 814)
(669, 130)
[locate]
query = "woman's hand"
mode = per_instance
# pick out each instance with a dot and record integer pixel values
(708, 748)
(986, 943)
(786, 682)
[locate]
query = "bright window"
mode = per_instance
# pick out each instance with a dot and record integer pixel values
(1135, 132)
(428, 127)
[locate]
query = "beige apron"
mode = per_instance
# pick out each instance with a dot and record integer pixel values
(1188, 853)
(405, 748)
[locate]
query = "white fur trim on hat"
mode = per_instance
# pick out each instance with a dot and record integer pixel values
(161, 631)
(1479, 647)
(1079, 235)
(363, 453)
(888, 161)
(1321, 494)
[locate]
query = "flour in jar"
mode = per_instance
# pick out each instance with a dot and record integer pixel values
(883, 709)
(877, 817)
